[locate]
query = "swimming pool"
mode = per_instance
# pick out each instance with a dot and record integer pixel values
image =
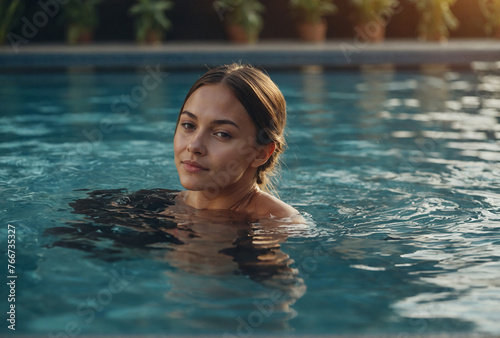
(397, 173)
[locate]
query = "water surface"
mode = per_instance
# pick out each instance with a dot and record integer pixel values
(396, 172)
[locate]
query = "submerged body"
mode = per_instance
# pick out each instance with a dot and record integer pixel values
(198, 245)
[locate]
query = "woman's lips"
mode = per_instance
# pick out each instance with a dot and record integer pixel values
(193, 167)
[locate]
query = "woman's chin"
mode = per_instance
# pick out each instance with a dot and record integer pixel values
(194, 186)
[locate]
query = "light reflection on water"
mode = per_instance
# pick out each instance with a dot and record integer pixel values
(418, 161)
(397, 172)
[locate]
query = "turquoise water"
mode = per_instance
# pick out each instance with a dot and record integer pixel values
(397, 173)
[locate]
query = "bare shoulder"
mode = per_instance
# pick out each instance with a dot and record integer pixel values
(267, 206)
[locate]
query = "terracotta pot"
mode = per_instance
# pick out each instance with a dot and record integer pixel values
(85, 36)
(312, 32)
(371, 31)
(79, 35)
(153, 37)
(434, 36)
(237, 34)
(433, 31)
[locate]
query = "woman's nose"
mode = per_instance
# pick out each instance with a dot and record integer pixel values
(197, 145)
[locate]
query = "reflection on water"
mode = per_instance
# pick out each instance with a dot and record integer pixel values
(313, 86)
(433, 90)
(451, 155)
(417, 165)
(399, 169)
(373, 88)
(207, 253)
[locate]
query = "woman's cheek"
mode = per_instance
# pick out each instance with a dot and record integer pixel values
(179, 143)
(233, 168)
(246, 150)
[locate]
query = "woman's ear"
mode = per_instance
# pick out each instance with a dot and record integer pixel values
(263, 155)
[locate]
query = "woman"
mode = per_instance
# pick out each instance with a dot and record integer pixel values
(220, 240)
(228, 140)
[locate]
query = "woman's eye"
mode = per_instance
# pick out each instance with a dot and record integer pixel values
(188, 126)
(222, 134)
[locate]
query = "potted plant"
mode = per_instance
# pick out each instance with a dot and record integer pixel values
(436, 19)
(372, 17)
(81, 19)
(151, 23)
(243, 19)
(310, 15)
(491, 12)
(8, 14)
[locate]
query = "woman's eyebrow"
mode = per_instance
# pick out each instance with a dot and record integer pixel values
(225, 122)
(191, 115)
(222, 121)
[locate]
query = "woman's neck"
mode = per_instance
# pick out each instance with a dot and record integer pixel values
(236, 199)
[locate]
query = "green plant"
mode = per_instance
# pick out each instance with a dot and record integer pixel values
(81, 18)
(8, 14)
(312, 11)
(436, 18)
(244, 13)
(368, 10)
(491, 11)
(151, 18)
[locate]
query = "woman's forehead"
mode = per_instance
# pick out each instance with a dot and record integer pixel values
(216, 101)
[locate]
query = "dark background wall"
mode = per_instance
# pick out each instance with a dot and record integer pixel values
(196, 20)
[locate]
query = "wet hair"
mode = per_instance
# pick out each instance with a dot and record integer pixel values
(264, 103)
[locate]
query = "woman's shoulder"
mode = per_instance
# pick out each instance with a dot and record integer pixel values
(267, 206)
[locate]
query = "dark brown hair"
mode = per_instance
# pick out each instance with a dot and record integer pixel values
(264, 103)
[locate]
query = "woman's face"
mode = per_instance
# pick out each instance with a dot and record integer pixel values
(214, 144)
